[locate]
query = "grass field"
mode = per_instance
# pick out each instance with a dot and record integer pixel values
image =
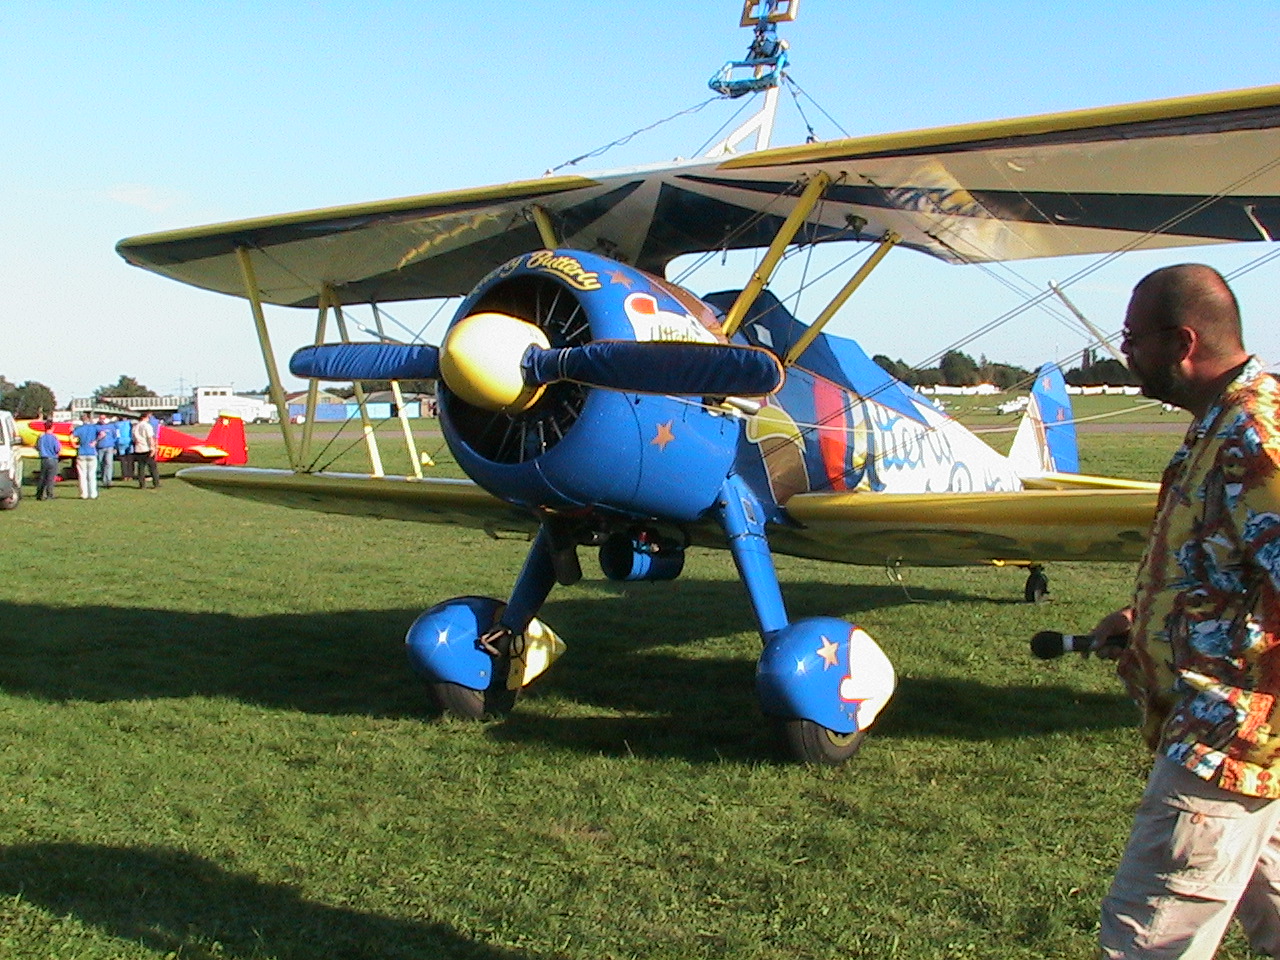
(214, 750)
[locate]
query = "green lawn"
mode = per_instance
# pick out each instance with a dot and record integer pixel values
(214, 750)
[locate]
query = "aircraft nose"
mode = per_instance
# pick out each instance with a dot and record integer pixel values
(480, 361)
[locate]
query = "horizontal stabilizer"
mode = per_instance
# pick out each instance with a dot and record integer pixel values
(367, 361)
(659, 366)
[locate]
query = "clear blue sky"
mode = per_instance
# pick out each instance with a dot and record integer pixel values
(127, 117)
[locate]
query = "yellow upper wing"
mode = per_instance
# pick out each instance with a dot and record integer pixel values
(1167, 173)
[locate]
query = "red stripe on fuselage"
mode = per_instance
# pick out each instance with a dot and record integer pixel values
(833, 434)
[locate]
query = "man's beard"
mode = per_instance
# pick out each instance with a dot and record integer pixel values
(1166, 384)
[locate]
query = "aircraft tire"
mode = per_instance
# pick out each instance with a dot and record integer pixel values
(813, 743)
(467, 704)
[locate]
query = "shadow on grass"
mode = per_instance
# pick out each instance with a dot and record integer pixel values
(347, 662)
(353, 661)
(718, 718)
(627, 655)
(181, 905)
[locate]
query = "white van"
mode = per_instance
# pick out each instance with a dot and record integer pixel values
(10, 462)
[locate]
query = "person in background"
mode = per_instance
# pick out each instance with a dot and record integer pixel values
(87, 435)
(156, 425)
(48, 446)
(144, 452)
(1202, 658)
(106, 451)
(124, 447)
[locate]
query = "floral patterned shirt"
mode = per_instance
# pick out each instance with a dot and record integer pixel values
(1203, 661)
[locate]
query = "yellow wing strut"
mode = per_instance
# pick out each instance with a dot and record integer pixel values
(370, 439)
(415, 459)
(773, 256)
(545, 230)
(799, 347)
(313, 387)
(268, 356)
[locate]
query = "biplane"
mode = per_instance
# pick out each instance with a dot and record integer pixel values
(593, 403)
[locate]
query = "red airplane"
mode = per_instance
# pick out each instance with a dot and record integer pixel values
(224, 445)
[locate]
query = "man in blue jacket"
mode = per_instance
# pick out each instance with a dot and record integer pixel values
(48, 446)
(106, 451)
(87, 435)
(124, 447)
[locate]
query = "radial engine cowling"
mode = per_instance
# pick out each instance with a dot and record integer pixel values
(572, 445)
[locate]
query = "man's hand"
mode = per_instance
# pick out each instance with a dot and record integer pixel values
(1106, 644)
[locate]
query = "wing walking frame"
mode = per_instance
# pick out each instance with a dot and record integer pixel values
(765, 64)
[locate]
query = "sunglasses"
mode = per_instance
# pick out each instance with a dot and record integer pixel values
(1128, 337)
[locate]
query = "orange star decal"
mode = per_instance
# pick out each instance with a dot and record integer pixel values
(663, 436)
(617, 276)
(828, 652)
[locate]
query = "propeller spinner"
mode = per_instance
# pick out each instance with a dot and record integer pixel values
(481, 361)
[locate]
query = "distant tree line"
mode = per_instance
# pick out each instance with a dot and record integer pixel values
(124, 387)
(958, 369)
(1093, 372)
(26, 401)
(31, 400)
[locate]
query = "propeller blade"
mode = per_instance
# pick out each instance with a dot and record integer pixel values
(367, 361)
(659, 366)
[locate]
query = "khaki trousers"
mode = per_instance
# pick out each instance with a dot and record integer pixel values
(1197, 856)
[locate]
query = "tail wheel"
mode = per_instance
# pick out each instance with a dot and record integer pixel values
(467, 704)
(810, 742)
(1037, 586)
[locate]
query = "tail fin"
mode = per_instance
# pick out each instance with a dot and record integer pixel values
(1046, 438)
(227, 433)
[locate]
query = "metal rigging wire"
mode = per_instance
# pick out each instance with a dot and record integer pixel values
(631, 136)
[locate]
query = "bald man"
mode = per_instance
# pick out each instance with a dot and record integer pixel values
(1203, 653)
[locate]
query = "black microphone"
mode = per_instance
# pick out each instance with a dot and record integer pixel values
(1048, 644)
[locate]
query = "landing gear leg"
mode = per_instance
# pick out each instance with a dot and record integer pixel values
(1037, 587)
(823, 680)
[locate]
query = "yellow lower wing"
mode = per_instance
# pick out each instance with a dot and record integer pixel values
(395, 498)
(1107, 522)
(1081, 481)
(956, 529)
